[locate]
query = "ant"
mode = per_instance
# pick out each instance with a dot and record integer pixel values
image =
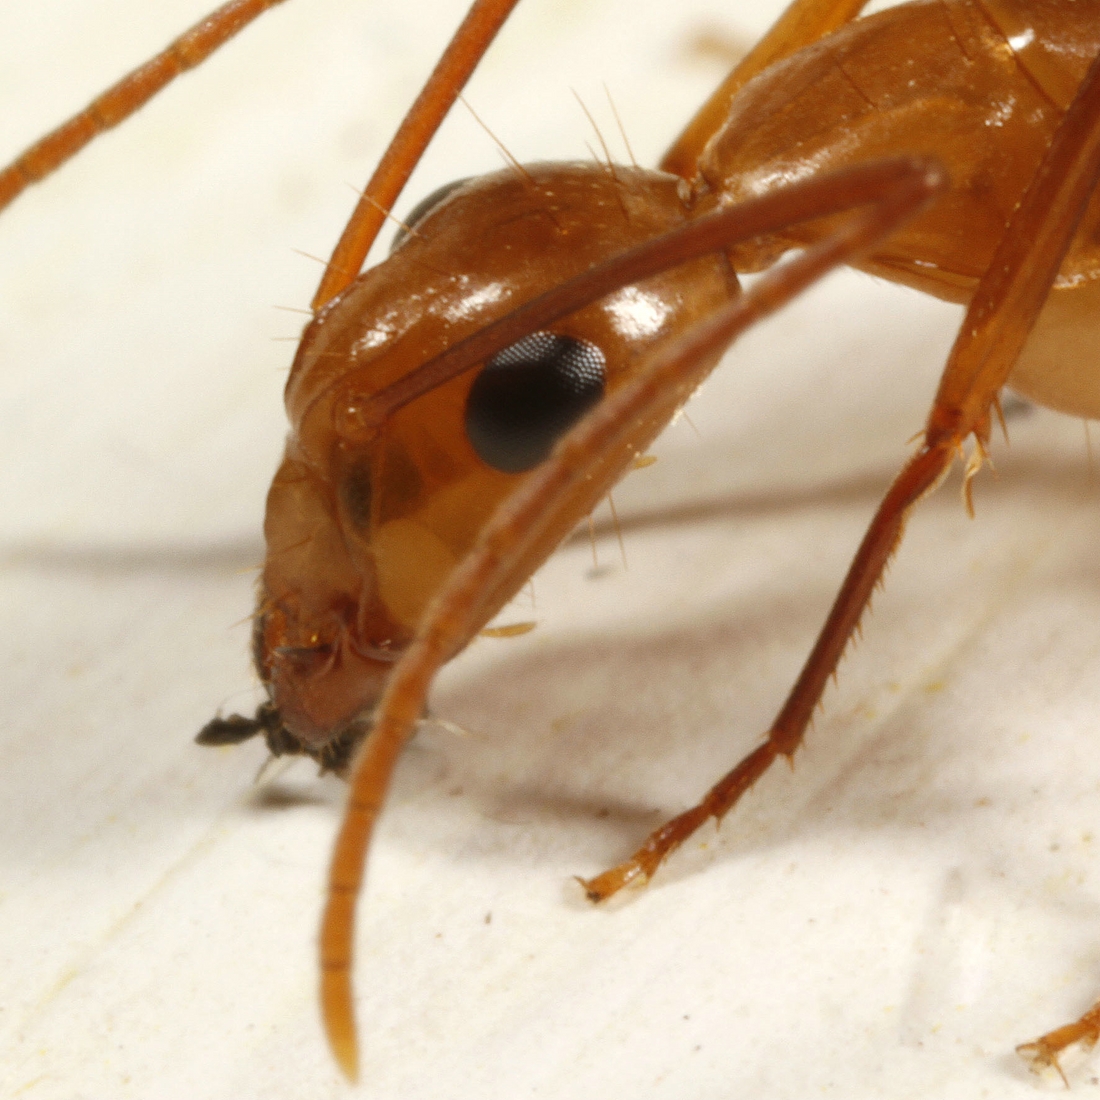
(594, 888)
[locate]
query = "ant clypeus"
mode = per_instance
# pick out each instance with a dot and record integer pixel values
(748, 916)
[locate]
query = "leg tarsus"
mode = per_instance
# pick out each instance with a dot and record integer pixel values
(1043, 1053)
(718, 801)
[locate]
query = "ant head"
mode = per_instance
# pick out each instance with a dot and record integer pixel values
(367, 517)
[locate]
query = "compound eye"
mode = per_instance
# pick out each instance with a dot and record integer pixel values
(529, 395)
(422, 209)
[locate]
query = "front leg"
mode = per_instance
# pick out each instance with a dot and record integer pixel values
(921, 474)
(1001, 314)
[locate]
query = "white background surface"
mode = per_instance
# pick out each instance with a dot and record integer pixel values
(888, 921)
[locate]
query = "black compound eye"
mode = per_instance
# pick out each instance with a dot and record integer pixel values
(422, 209)
(530, 394)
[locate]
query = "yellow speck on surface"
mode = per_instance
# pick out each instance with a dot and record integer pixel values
(511, 630)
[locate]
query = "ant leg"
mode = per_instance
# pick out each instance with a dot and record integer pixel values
(1042, 1053)
(455, 66)
(1002, 312)
(132, 92)
(194, 46)
(918, 477)
(804, 22)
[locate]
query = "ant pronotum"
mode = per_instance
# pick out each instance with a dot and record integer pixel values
(615, 966)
